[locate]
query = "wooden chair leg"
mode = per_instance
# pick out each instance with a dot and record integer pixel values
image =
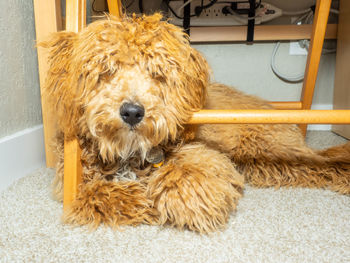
(314, 56)
(72, 171)
(115, 7)
(75, 21)
(47, 20)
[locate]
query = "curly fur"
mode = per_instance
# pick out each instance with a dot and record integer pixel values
(147, 61)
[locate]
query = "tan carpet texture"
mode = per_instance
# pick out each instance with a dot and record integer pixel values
(284, 225)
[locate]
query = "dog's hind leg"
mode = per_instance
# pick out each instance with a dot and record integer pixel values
(273, 154)
(276, 155)
(196, 188)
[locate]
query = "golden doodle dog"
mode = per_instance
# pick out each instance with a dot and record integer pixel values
(126, 88)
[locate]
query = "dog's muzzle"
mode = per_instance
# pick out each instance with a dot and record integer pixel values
(131, 113)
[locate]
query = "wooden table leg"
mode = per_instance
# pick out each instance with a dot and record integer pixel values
(314, 56)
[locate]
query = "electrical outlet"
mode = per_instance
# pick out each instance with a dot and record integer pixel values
(296, 49)
(213, 16)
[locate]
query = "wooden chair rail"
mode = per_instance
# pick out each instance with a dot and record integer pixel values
(271, 116)
(261, 33)
(286, 105)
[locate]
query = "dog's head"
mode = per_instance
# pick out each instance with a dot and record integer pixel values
(128, 83)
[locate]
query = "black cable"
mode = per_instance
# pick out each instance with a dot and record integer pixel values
(198, 9)
(94, 9)
(202, 7)
(230, 2)
(187, 18)
(126, 7)
(212, 2)
(141, 6)
(103, 11)
(258, 5)
(251, 22)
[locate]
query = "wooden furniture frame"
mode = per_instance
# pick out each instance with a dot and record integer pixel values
(341, 97)
(261, 33)
(293, 112)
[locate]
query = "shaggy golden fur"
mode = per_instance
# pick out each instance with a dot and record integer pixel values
(148, 62)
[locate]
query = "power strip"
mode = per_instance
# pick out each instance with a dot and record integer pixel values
(214, 16)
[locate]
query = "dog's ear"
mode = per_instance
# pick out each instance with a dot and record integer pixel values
(198, 74)
(192, 72)
(58, 88)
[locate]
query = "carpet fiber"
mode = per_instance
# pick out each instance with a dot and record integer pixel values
(284, 225)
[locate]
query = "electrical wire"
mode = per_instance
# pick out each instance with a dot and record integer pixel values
(202, 6)
(130, 4)
(94, 9)
(236, 15)
(334, 11)
(295, 78)
(141, 6)
(181, 7)
(296, 13)
(173, 12)
(103, 11)
(307, 18)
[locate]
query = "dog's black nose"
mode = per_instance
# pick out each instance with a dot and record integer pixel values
(132, 114)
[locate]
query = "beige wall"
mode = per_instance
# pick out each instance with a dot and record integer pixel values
(247, 67)
(19, 86)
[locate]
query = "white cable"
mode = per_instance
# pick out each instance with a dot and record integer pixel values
(334, 11)
(296, 78)
(305, 44)
(181, 7)
(300, 19)
(296, 13)
(309, 18)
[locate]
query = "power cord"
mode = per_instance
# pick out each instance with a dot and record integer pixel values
(264, 12)
(297, 78)
(141, 6)
(125, 6)
(306, 18)
(235, 15)
(173, 11)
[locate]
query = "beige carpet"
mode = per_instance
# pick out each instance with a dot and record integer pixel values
(285, 225)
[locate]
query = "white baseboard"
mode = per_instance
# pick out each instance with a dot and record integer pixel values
(320, 127)
(20, 154)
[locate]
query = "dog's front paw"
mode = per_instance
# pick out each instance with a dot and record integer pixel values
(197, 188)
(111, 203)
